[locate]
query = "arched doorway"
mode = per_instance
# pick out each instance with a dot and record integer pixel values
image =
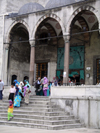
(19, 52)
(46, 50)
(82, 47)
(13, 78)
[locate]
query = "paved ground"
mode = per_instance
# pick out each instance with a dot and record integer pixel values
(11, 129)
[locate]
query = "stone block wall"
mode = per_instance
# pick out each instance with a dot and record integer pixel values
(86, 109)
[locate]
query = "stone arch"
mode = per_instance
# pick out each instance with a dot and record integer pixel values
(54, 16)
(77, 11)
(12, 25)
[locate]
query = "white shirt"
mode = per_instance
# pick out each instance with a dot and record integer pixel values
(12, 90)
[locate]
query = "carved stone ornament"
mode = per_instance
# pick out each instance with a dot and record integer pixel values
(32, 43)
(66, 39)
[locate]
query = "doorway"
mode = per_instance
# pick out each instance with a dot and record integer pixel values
(13, 78)
(98, 71)
(41, 70)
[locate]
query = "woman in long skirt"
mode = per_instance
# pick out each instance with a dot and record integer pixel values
(17, 97)
(26, 94)
(45, 86)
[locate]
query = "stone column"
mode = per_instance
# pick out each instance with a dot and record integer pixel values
(6, 64)
(32, 62)
(66, 61)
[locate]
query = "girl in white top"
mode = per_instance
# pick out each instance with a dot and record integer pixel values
(12, 93)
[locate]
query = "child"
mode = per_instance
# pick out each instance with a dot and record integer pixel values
(12, 93)
(10, 110)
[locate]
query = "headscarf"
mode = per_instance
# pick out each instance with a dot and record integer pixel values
(27, 84)
(21, 85)
(45, 80)
(16, 82)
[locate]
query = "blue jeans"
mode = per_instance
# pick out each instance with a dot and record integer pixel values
(0, 94)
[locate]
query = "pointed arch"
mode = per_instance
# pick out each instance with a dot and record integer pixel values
(51, 15)
(80, 9)
(7, 39)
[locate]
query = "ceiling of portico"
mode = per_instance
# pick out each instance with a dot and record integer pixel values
(89, 17)
(55, 24)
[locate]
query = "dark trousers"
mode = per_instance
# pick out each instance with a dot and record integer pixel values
(0, 94)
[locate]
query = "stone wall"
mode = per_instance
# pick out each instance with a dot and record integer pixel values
(1, 45)
(84, 108)
(91, 51)
(81, 101)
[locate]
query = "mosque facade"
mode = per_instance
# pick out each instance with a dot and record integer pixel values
(50, 38)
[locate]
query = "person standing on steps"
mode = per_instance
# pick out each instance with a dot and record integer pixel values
(45, 86)
(1, 88)
(10, 110)
(38, 83)
(17, 97)
(12, 93)
(26, 94)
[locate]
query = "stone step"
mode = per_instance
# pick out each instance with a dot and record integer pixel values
(48, 122)
(34, 102)
(34, 109)
(39, 113)
(67, 117)
(41, 126)
(32, 105)
(57, 113)
(38, 99)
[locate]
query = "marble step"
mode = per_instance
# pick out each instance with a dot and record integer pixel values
(32, 105)
(42, 126)
(48, 122)
(34, 109)
(29, 116)
(34, 102)
(57, 113)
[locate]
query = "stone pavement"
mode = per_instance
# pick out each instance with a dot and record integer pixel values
(12, 129)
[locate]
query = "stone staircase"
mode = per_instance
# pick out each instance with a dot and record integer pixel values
(40, 113)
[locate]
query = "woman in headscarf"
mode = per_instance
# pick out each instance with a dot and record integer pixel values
(21, 85)
(45, 86)
(27, 84)
(17, 97)
(26, 94)
(16, 82)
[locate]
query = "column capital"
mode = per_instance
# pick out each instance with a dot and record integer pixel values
(6, 46)
(66, 38)
(32, 43)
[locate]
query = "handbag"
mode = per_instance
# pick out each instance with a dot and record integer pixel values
(45, 85)
(29, 91)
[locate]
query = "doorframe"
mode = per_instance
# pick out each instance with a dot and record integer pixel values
(95, 68)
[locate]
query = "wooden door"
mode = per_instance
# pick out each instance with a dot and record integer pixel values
(41, 70)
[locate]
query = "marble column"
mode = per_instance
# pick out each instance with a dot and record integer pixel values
(6, 49)
(32, 62)
(66, 61)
